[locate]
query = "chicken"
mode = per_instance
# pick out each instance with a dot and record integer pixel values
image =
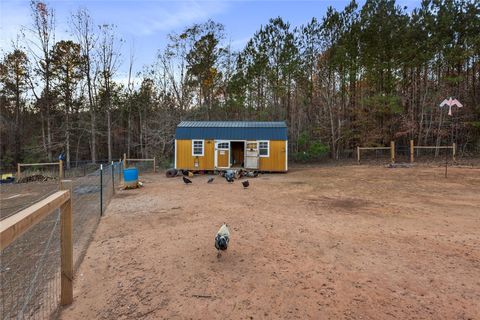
(229, 175)
(186, 180)
(245, 184)
(222, 239)
(210, 180)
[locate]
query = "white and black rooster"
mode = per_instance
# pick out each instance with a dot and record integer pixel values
(222, 239)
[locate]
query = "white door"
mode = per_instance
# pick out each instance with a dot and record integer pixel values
(251, 155)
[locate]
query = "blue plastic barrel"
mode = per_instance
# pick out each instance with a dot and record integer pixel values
(130, 177)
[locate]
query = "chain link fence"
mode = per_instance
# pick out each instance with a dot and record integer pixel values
(30, 266)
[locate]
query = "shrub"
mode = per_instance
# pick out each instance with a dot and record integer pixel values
(310, 149)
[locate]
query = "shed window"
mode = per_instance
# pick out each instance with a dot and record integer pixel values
(264, 148)
(252, 146)
(223, 145)
(197, 147)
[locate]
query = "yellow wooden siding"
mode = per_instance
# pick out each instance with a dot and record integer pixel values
(185, 160)
(277, 157)
(275, 162)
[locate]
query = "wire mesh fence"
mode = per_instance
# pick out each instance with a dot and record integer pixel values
(30, 266)
(81, 169)
(433, 154)
(110, 175)
(72, 170)
(142, 166)
(421, 154)
(18, 196)
(47, 171)
(378, 155)
(30, 272)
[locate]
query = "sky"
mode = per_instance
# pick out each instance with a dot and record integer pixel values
(144, 25)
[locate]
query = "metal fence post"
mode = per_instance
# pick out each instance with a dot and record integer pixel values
(113, 178)
(101, 190)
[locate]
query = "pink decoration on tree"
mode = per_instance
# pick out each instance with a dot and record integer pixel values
(450, 103)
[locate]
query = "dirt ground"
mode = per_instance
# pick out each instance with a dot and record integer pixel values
(353, 242)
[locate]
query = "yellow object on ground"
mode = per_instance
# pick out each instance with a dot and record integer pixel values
(7, 175)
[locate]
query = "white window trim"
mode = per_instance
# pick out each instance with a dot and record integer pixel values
(268, 149)
(286, 155)
(176, 153)
(193, 148)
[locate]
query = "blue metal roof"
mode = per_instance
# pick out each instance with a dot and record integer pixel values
(231, 130)
(232, 124)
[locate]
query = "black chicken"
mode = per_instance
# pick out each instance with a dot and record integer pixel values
(186, 180)
(245, 184)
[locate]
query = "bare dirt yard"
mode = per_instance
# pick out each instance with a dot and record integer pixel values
(350, 242)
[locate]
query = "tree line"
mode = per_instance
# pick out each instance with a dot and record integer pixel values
(360, 76)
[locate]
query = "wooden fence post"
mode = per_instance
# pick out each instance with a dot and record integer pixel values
(358, 154)
(392, 151)
(454, 147)
(60, 169)
(18, 171)
(124, 161)
(412, 151)
(66, 238)
(154, 165)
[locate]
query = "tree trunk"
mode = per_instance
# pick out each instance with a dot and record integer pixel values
(141, 133)
(439, 137)
(93, 146)
(18, 128)
(332, 131)
(67, 139)
(78, 149)
(145, 140)
(44, 137)
(109, 134)
(129, 134)
(49, 136)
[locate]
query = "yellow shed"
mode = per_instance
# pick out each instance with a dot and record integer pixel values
(221, 145)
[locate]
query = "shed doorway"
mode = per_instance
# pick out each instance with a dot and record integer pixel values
(222, 154)
(237, 154)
